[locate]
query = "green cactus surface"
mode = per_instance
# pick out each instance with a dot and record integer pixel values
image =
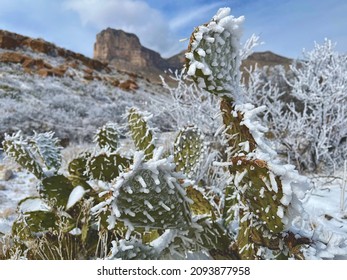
(48, 149)
(153, 200)
(188, 150)
(56, 188)
(141, 134)
(106, 167)
(108, 137)
(212, 59)
(17, 147)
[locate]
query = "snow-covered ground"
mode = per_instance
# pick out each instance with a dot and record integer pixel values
(326, 204)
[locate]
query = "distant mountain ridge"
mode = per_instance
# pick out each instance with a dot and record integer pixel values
(124, 51)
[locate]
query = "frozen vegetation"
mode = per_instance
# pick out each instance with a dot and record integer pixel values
(205, 169)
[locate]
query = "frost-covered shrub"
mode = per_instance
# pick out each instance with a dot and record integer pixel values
(186, 105)
(308, 118)
(72, 108)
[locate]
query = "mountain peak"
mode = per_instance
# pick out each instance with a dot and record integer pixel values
(124, 51)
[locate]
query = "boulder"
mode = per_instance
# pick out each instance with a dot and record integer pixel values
(13, 57)
(5, 174)
(128, 85)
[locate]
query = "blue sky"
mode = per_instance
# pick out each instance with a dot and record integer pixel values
(285, 26)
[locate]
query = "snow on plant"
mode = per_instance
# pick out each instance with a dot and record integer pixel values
(155, 204)
(317, 89)
(264, 190)
(185, 105)
(105, 201)
(320, 84)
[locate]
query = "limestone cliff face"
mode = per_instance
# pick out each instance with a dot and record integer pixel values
(125, 51)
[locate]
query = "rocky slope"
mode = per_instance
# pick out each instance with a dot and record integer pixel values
(47, 88)
(45, 59)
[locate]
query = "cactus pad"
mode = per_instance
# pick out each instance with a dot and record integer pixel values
(151, 195)
(107, 137)
(188, 150)
(56, 189)
(19, 149)
(107, 167)
(47, 147)
(212, 57)
(141, 134)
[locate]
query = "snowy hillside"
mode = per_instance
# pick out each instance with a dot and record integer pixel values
(72, 107)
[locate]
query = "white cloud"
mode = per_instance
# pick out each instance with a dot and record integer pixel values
(133, 16)
(195, 14)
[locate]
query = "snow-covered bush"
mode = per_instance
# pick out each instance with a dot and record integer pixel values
(309, 118)
(72, 108)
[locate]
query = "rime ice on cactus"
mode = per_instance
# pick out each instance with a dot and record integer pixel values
(151, 195)
(107, 137)
(141, 134)
(263, 194)
(188, 150)
(30, 152)
(213, 58)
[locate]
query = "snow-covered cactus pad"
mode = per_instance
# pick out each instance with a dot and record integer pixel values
(48, 148)
(20, 150)
(107, 137)
(189, 149)
(132, 250)
(77, 167)
(151, 195)
(213, 54)
(106, 167)
(141, 134)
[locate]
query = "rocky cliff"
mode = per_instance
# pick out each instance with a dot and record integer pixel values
(125, 51)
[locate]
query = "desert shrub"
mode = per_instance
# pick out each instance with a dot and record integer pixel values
(308, 116)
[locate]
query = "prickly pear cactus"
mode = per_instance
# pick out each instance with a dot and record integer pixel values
(212, 57)
(107, 137)
(141, 134)
(56, 188)
(48, 148)
(17, 147)
(189, 150)
(213, 61)
(29, 152)
(106, 167)
(78, 166)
